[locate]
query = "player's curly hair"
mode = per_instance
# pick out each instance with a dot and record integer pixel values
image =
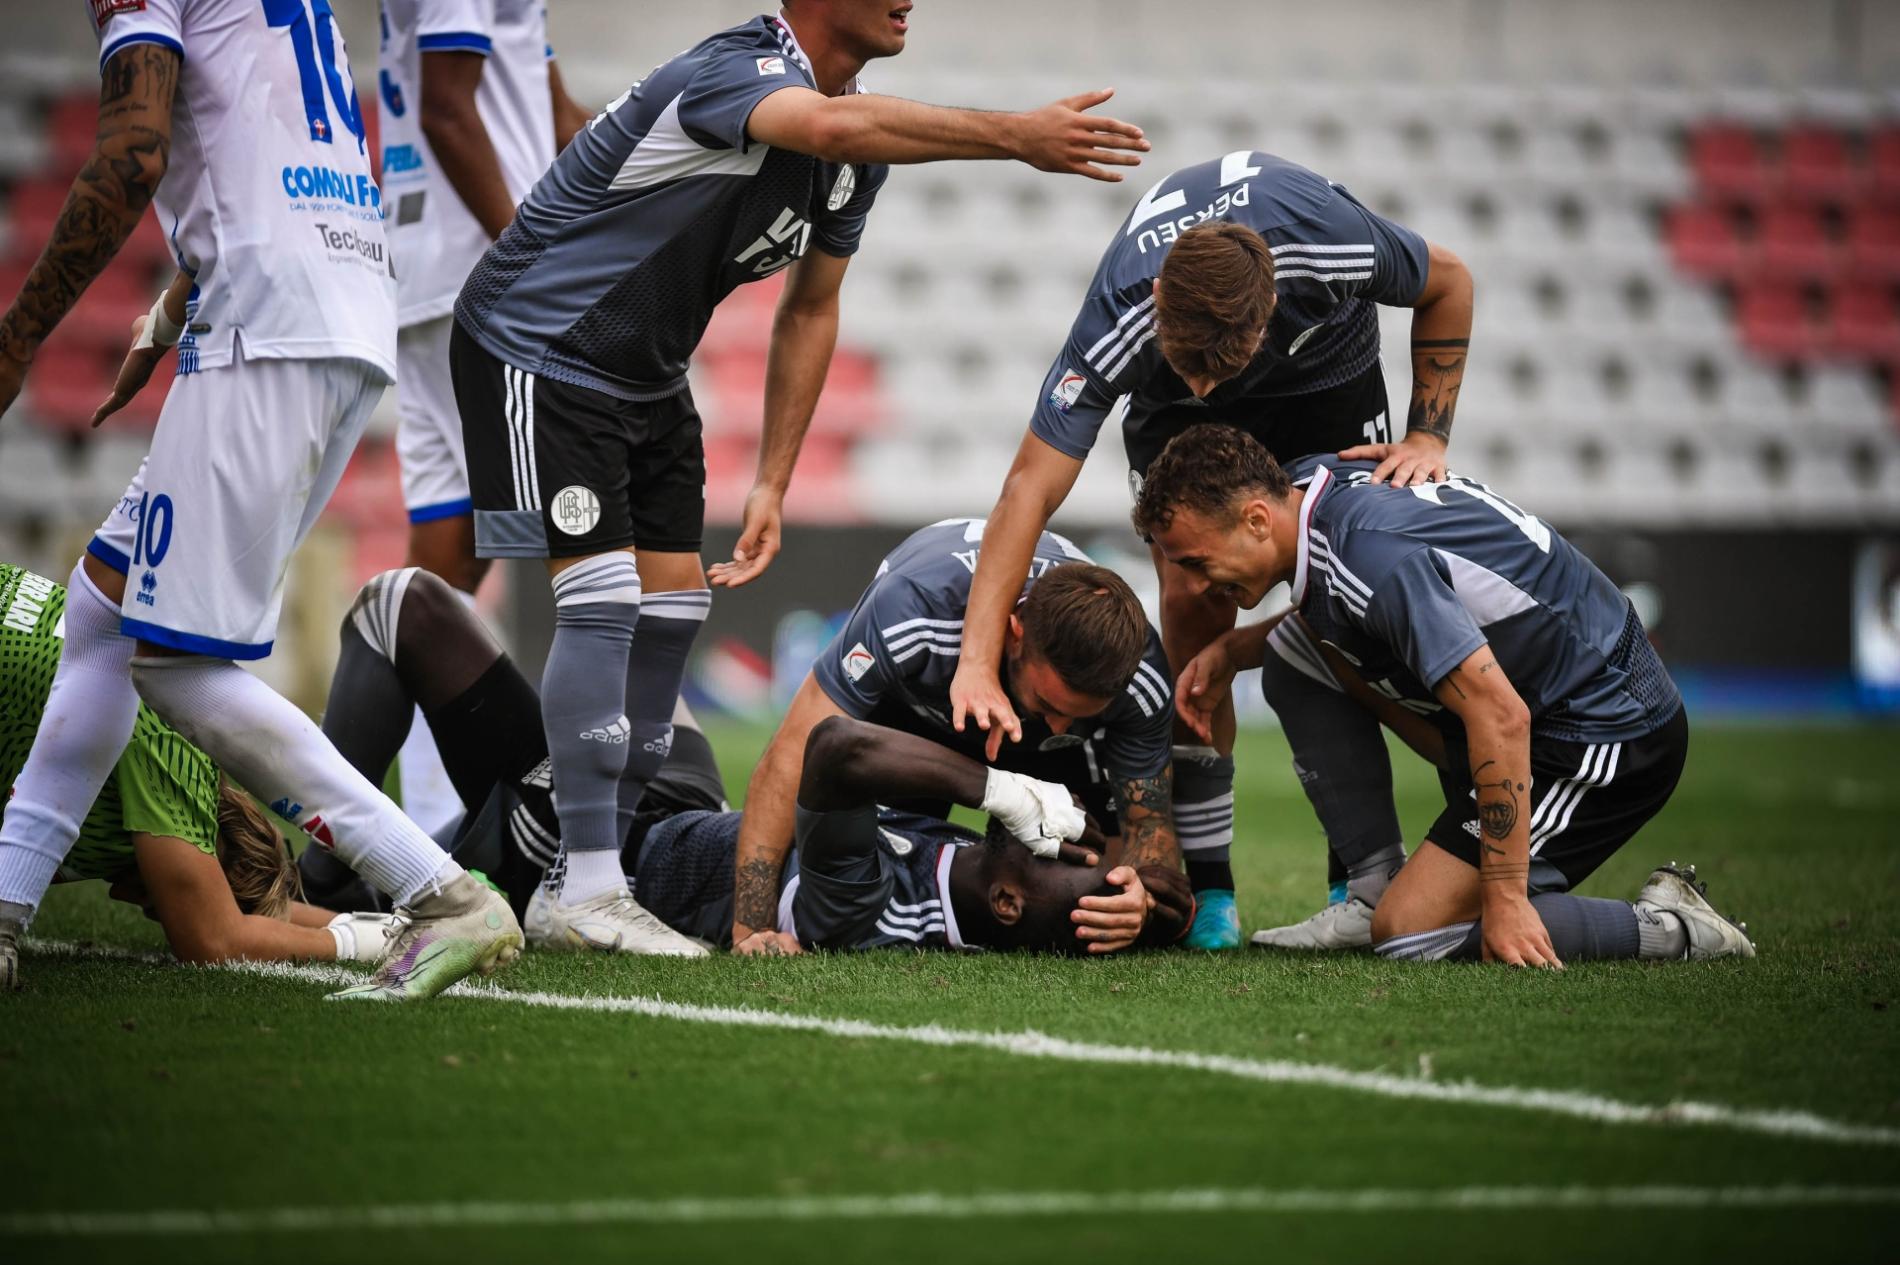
(1209, 469)
(1086, 623)
(255, 860)
(1213, 298)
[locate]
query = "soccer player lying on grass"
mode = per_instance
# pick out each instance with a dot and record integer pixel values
(869, 876)
(168, 831)
(1555, 728)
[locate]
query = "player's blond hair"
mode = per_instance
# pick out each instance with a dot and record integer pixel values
(255, 860)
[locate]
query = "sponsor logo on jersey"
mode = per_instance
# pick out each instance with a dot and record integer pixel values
(29, 599)
(575, 509)
(846, 185)
(347, 241)
(330, 185)
(771, 65)
(400, 159)
(790, 231)
(1067, 390)
(103, 10)
(858, 661)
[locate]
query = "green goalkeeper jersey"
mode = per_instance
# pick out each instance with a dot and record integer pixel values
(162, 785)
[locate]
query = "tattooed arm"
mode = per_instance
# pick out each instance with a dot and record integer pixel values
(1498, 735)
(1441, 335)
(108, 196)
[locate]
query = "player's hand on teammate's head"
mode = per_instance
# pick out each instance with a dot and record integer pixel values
(1418, 458)
(1111, 923)
(1064, 137)
(1173, 910)
(1202, 686)
(977, 695)
(759, 540)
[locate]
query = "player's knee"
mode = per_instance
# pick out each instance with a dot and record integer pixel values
(430, 607)
(834, 742)
(374, 612)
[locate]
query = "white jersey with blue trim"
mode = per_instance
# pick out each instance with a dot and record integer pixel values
(1334, 262)
(268, 202)
(434, 237)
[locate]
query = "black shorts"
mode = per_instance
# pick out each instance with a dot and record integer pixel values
(563, 471)
(1587, 799)
(1289, 426)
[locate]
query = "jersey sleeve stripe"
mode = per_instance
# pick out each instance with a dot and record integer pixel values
(1323, 276)
(940, 636)
(1143, 326)
(1129, 355)
(456, 41)
(1115, 333)
(921, 623)
(139, 37)
(1357, 248)
(1316, 261)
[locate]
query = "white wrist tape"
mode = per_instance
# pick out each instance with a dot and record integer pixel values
(345, 936)
(1041, 814)
(160, 330)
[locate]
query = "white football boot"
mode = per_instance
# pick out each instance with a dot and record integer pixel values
(465, 928)
(10, 934)
(1710, 934)
(1345, 925)
(612, 922)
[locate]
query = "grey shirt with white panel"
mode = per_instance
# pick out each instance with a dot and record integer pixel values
(905, 636)
(1334, 262)
(660, 207)
(1407, 582)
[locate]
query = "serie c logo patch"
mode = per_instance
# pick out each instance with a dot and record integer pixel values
(575, 509)
(857, 661)
(770, 65)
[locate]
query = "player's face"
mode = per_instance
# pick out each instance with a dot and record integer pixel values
(1038, 691)
(873, 28)
(1229, 561)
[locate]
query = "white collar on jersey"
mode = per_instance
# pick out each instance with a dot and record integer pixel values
(1315, 488)
(951, 935)
(789, 38)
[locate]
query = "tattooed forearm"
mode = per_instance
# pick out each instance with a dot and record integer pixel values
(108, 196)
(1438, 373)
(1498, 805)
(1147, 813)
(755, 894)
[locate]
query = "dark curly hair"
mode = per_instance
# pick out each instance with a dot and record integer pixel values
(1213, 298)
(1209, 469)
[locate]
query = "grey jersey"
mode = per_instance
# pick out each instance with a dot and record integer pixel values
(1334, 261)
(905, 636)
(658, 209)
(1408, 582)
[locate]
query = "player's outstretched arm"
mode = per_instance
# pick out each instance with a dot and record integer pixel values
(188, 894)
(459, 138)
(1441, 337)
(1498, 734)
(153, 334)
(766, 829)
(869, 128)
(804, 333)
(1038, 481)
(109, 194)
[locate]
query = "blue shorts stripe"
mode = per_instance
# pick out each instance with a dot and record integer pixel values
(108, 555)
(441, 510)
(455, 41)
(192, 643)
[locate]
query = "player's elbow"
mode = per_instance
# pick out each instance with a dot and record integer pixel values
(1448, 279)
(448, 114)
(833, 130)
(198, 944)
(834, 747)
(1506, 719)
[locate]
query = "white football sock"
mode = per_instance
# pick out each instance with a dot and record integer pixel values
(274, 751)
(83, 731)
(588, 874)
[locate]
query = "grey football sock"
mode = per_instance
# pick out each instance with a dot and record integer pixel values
(596, 607)
(1369, 878)
(1204, 816)
(1660, 934)
(668, 624)
(1588, 928)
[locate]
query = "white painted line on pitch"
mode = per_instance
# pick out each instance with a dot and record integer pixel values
(1575, 1104)
(934, 1206)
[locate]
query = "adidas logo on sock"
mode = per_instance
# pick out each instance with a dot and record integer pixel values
(616, 733)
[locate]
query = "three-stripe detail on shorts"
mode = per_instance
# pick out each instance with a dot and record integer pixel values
(518, 410)
(1552, 817)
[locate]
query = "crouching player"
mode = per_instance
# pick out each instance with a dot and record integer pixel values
(167, 831)
(869, 876)
(1556, 730)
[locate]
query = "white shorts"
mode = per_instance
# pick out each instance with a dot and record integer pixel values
(244, 459)
(429, 429)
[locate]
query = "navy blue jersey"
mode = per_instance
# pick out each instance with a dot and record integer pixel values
(660, 207)
(1407, 582)
(905, 636)
(1334, 261)
(889, 889)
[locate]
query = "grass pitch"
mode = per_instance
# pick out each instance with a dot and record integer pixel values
(476, 1128)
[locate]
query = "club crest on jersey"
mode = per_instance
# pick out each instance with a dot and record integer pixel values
(857, 661)
(771, 65)
(841, 192)
(1067, 390)
(103, 10)
(575, 509)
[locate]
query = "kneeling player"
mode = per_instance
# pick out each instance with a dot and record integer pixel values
(167, 831)
(408, 641)
(1555, 727)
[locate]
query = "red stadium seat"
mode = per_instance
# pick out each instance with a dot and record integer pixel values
(1792, 244)
(71, 128)
(1776, 324)
(1704, 241)
(1863, 324)
(1873, 244)
(1728, 163)
(1816, 165)
(1883, 164)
